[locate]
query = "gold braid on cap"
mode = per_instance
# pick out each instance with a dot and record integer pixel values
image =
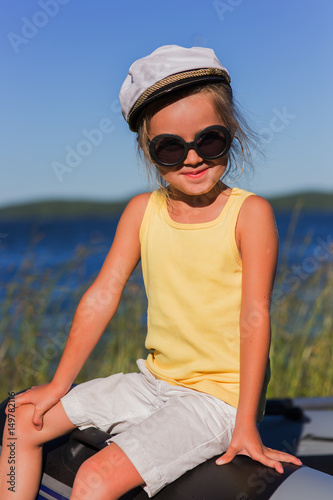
(175, 78)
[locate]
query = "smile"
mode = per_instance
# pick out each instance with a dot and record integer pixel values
(195, 174)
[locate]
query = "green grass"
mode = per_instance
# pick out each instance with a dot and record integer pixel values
(302, 334)
(34, 323)
(35, 318)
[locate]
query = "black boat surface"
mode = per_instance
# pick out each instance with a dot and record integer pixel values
(300, 426)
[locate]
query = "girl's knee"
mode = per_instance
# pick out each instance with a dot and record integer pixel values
(25, 431)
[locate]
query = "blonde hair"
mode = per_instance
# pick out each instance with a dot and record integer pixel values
(221, 96)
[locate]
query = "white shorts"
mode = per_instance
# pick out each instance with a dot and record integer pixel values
(164, 430)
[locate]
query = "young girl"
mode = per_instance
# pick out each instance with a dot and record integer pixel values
(208, 255)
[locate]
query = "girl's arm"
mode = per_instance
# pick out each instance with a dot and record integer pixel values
(95, 310)
(257, 240)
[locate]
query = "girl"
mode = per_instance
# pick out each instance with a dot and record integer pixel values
(208, 255)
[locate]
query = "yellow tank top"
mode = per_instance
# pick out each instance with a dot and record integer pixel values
(193, 280)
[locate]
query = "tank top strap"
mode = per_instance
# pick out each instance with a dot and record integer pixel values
(238, 197)
(156, 198)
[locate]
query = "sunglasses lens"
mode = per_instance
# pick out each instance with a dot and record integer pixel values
(169, 150)
(212, 143)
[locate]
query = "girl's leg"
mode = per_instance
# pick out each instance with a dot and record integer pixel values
(106, 476)
(26, 450)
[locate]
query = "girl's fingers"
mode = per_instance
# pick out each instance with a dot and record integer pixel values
(272, 463)
(273, 459)
(20, 398)
(263, 459)
(226, 458)
(18, 401)
(283, 457)
(37, 420)
(270, 458)
(17, 404)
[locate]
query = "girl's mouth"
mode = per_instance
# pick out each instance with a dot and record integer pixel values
(195, 174)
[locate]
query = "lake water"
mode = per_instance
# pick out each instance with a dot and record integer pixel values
(51, 245)
(46, 266)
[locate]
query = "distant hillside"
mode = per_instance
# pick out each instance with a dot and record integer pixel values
(60, 208)
(314, 201)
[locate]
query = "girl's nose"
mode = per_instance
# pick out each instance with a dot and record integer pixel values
(192, 157)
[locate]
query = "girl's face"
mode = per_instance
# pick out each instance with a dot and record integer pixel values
(186, 117)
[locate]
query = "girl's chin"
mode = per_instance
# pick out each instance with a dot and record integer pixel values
(197, 191)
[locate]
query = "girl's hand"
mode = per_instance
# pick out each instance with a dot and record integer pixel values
(43, 397)
(248, 442)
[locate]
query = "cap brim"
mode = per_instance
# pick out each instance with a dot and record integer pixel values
(176, 85)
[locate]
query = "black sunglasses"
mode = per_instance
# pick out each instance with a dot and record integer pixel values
(169, 150)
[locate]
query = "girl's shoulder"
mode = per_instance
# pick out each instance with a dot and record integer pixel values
(256, 218)
(130, 221)
(137, 205)
(252, 208)
(255, 207)
(139, 202)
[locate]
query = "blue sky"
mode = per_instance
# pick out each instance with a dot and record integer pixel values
(63, 62)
